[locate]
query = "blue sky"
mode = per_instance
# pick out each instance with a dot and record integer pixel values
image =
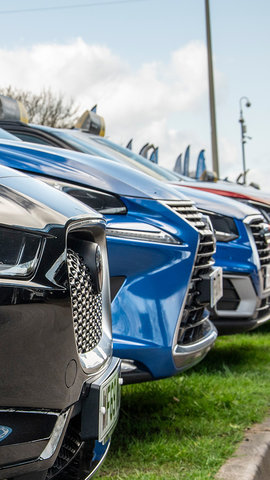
(144, 63)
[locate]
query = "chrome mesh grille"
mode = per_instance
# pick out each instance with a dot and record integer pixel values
(194, 315)
(86, 305)
(261, 235)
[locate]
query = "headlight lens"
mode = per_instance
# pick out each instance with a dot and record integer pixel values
(225, 228)
(141, 232)
(101, 201)
(19, 252)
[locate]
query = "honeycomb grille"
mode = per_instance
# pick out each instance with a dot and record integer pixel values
(194, 314)
(86, 304)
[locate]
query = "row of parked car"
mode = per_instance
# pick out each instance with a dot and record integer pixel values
(107, 256)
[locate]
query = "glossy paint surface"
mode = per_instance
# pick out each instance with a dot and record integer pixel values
(84, 169)
(236, 257)
(42, 375)
(146, 309)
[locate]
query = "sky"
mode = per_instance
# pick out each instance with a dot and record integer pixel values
(144, 62)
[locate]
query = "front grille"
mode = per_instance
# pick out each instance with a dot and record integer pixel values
(194, 316)
(261, 235)
(86, 304)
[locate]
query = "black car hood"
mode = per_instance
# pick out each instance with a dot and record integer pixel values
(28, 203)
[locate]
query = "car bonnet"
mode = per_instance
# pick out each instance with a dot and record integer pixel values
(27, 202)
(87, 170)
(222, 205)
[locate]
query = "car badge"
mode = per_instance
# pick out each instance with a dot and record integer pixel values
(4, 432)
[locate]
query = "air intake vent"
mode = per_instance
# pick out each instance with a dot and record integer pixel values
(70, 447)
(194, 315)
(86, 305)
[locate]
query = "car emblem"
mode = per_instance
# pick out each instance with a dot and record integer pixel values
(4, 432)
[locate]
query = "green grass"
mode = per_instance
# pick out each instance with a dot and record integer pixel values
(185, 427)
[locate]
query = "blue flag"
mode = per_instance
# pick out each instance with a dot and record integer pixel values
(186, 162)
(154, 155)
(178, 164)
(201, 165)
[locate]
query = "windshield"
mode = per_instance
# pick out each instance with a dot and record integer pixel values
(135, 159)
(7, 136)
(92, 144)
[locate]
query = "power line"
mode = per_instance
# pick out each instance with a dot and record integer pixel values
(66, 7)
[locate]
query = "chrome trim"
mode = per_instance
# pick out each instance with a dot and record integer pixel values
(189, 213)
(57, 432)
(180, 316)
(140, 232)
(186, 356)
(96, 360)
(256, 251)
(248, 299)
(97, 466)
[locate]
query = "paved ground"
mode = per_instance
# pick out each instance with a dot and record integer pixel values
(251, 460)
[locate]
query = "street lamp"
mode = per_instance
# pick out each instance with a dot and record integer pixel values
(243, 135)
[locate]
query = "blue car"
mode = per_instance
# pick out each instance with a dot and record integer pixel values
(160, 257)
(241, 233)
(243, 251)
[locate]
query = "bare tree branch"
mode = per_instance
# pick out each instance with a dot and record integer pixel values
(45, 108)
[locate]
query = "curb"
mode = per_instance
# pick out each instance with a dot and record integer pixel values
(251, 461)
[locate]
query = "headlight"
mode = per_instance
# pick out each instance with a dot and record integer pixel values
(102, 202)
(225, 228)
(140, 231)
(19, 252)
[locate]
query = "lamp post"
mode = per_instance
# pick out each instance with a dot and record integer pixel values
(243, 135)
(211, 91)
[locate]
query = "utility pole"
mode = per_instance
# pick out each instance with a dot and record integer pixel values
(211, 92)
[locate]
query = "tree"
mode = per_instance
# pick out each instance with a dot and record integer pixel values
(45, 108)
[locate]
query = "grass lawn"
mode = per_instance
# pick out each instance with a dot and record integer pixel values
(185, 427)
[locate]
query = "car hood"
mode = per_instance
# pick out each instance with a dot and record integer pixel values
(31, 204)
(97, 172)
(218, 204)
(232, 190)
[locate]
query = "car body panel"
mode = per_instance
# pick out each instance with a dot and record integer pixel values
(44, 374)
(145, 313)
(207, 202)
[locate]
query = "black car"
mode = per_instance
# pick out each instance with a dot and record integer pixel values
(59, 384)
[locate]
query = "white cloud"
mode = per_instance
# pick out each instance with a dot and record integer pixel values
(131, 100)
(162, 102)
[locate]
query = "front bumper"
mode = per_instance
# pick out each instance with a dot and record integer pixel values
(240, 308)
(47, 444)
(179, 358)
(186, 356)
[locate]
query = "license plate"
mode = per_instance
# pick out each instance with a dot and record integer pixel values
(216, 286)
(109, 405)
(267, 277)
